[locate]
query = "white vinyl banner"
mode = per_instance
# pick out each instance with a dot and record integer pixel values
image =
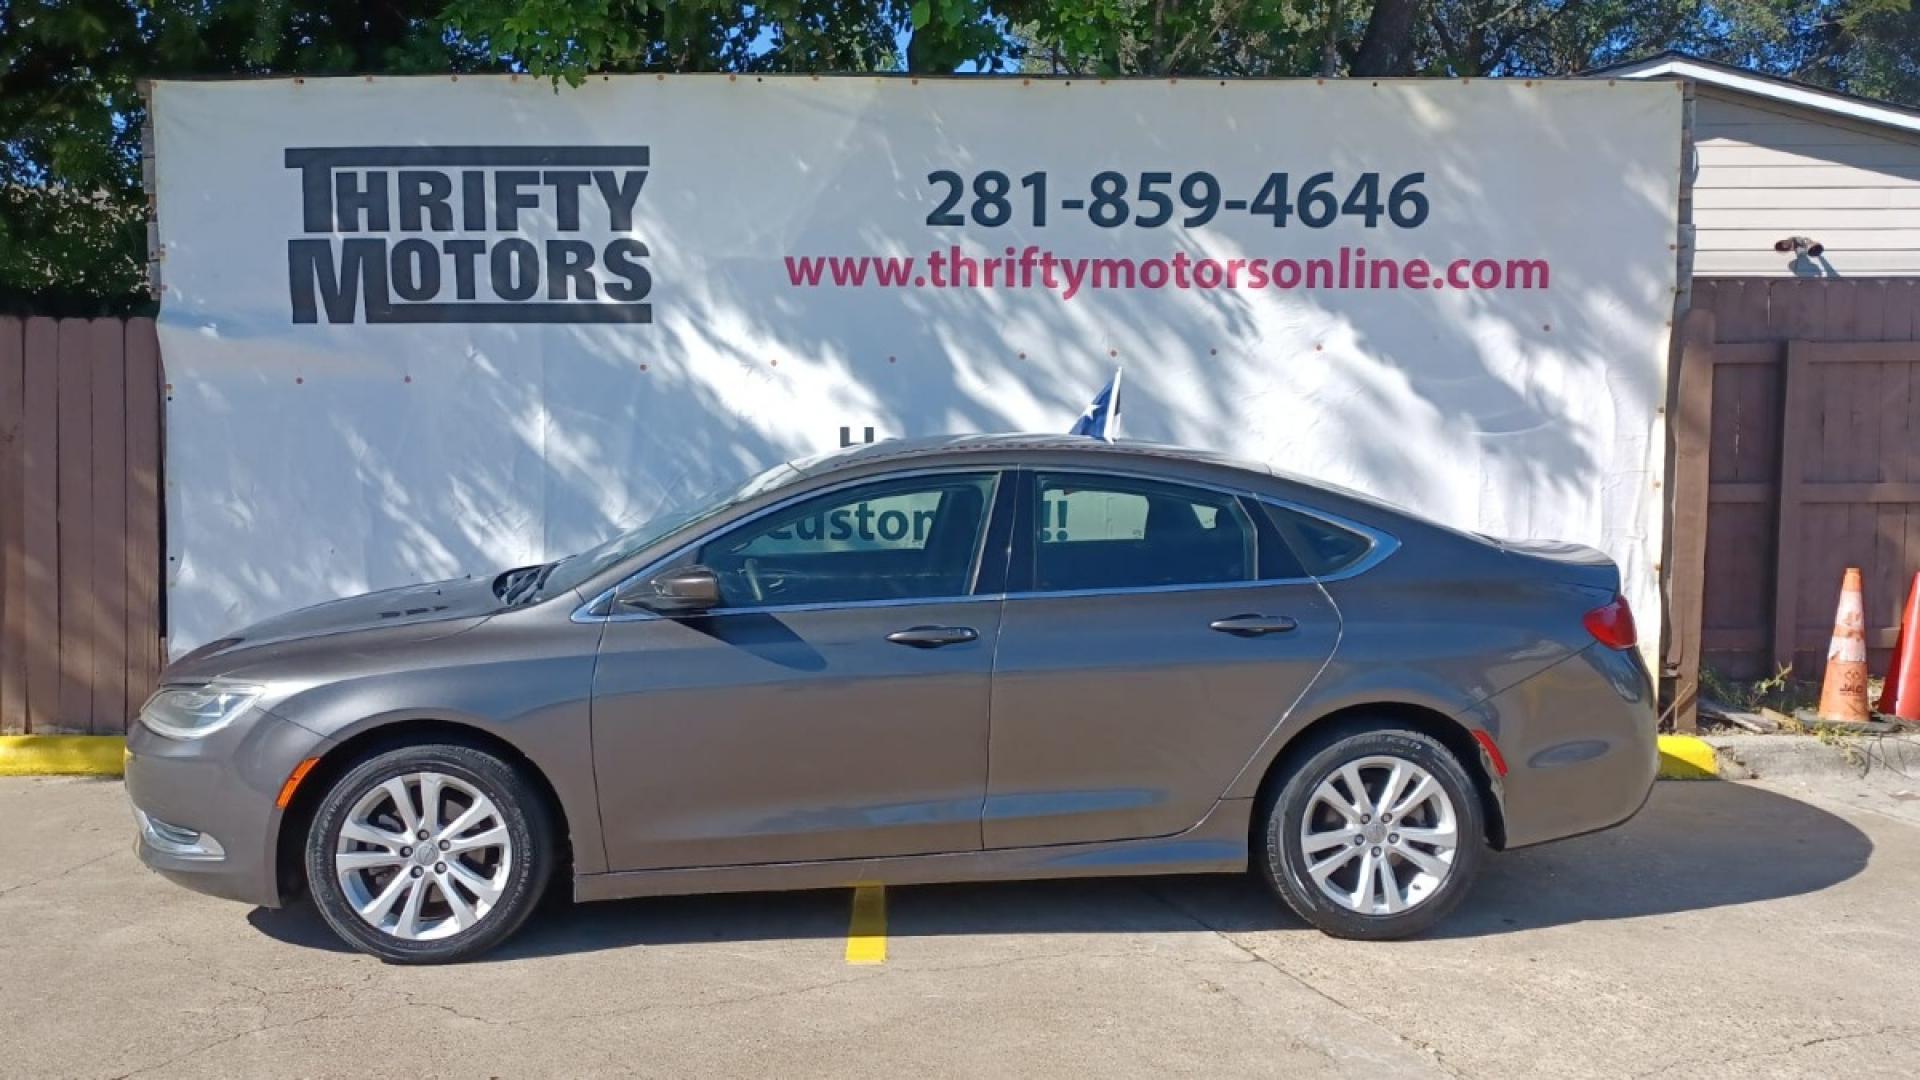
(420, 328)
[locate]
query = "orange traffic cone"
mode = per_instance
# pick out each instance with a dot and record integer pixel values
(1901, 695)
(1843, 694)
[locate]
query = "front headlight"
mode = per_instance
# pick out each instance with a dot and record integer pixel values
(194, 712)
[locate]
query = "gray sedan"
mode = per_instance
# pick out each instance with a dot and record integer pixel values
(960, 659)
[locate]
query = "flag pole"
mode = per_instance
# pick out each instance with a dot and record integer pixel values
(1113, 407)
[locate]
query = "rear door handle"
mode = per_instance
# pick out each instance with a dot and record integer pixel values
(1253, 625)
(932, 637)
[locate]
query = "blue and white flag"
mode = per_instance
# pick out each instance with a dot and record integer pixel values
(1102, 418)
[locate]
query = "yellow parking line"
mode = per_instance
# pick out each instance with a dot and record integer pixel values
(867, 932)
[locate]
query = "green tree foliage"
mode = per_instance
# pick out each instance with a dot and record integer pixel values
(72, 211)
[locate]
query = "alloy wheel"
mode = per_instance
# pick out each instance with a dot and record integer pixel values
(423, 856)
(1379, 835)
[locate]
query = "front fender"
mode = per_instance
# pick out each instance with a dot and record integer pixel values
(530, 689)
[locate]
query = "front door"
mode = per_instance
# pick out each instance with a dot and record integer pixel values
(1155, 635)
(834, 706)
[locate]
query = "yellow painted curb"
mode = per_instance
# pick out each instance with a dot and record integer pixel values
(62, 755)
(1683, 757)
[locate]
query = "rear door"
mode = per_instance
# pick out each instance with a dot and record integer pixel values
(1155, 632)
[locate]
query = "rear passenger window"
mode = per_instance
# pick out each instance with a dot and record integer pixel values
(1097, 532)
(1322, 548)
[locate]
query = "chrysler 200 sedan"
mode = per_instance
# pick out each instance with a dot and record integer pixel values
(960, 659)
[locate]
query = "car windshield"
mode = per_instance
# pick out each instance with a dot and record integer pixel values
(676, 515)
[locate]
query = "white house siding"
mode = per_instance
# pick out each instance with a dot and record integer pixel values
(1766, 171)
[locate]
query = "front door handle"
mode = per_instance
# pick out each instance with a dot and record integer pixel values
(1253, 625)
(932, 637)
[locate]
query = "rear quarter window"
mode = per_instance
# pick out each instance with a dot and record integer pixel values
(1321, 547)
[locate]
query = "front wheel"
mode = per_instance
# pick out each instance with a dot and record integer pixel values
(428, 854)
(1376, 836)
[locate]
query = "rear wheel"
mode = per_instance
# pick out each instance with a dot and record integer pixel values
(1378, 835)
(428, 854)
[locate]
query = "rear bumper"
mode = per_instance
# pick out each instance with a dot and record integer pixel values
(1580, 742)
(204, 809)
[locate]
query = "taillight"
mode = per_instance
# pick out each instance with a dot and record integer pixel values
(1611, 624)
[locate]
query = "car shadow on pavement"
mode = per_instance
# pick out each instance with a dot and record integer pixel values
(1696, 846)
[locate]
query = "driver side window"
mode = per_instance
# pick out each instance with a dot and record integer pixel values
(912, 538)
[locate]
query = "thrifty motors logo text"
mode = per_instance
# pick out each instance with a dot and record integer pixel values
(441, 234)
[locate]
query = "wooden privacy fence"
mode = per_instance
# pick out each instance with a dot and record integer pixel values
(80, 620)
(1797, 454)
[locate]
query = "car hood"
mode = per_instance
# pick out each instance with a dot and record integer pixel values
(410, 613)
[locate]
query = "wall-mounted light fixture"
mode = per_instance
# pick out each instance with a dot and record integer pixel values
(1804, 246)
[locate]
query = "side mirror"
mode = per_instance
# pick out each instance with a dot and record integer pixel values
(680, 590)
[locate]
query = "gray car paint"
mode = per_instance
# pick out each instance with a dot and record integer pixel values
(1485, 636)
(786, 736)
(1122, 715)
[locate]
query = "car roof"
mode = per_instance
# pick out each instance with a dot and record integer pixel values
(1071, 450)
(959, 447)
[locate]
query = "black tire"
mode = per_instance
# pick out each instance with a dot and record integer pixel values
(1286, 866)
(522, 813)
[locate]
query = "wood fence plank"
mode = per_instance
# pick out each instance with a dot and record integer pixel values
(107, 338)
(1870, 310)
(143, 513)
(1705, 293)
(1740, 309)
(1762, 449)
(1797, 309)
(1795, 423)
(40, 430)
(1839, 321)
(13, 600)
(1865, 352)
(1770, 354)
(78, 610)
(1727, 419)
(1851, 491)
(1734, 492)
(1902, 313)
(1693, 444)
(1863, 421)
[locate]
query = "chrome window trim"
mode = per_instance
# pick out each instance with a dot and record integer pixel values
(1381, 545)
(1131, 590)
(585, 612)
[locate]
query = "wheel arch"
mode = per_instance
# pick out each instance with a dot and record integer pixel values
(1323, 730)
(296, 819)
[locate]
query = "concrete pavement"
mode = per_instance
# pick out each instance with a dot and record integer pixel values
(1733, 929)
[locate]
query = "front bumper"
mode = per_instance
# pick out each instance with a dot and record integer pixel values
(205, 807)
(1581, 745)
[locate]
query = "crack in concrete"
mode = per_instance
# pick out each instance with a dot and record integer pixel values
(1781, 1051)
(355, 991)
(671, 1006)
(223, 1041)
(58, 874)
(1425, 1047)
